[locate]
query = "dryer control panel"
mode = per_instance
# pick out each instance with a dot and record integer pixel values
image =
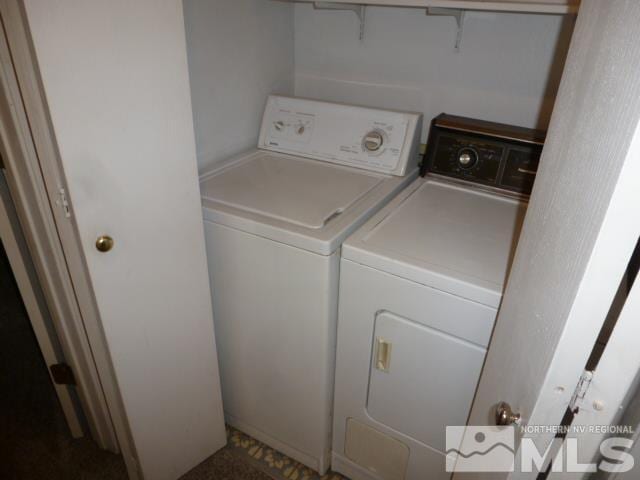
(377, 140)
(499, 156)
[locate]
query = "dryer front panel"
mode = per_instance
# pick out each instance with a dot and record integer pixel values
(407, 364)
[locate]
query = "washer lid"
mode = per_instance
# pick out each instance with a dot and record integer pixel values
(302, 192)
(453, 238)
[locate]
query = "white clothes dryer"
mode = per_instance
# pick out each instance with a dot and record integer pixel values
(420, 285)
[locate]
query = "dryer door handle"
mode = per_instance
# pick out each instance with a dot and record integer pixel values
(383, 354)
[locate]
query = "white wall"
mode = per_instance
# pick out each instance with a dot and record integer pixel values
(507, 70)
(239, 51)
(242, 50)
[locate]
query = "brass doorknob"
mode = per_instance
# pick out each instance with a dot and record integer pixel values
(104, 243)
(505, 416)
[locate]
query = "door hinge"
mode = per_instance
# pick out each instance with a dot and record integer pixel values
(63, 202)
(62, 374)
(581, 390)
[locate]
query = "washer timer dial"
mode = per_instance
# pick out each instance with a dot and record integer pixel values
(373, 141)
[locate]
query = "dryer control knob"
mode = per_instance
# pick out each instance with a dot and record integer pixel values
(467, 158)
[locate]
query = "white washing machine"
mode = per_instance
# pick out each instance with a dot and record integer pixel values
(420, 285)
(275, 220)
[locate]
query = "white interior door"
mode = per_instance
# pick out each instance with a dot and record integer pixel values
(115, 78)
(579, 233)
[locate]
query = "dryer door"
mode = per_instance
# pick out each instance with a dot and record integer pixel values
(421, 379)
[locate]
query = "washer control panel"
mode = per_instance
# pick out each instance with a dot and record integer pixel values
(377, 140)
(496, 155)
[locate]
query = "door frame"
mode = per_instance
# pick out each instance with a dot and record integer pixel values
(15, 246)
(612, 386)
(37, 187)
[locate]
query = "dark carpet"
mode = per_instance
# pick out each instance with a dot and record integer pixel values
(34, 439)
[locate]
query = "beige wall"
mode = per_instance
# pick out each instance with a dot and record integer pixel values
(507, 69)
(239, 51)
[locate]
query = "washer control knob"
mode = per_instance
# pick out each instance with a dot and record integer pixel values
(373, 141)
(467, 158)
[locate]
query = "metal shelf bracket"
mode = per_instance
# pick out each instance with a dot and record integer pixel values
(359, 10)
(450, 12)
